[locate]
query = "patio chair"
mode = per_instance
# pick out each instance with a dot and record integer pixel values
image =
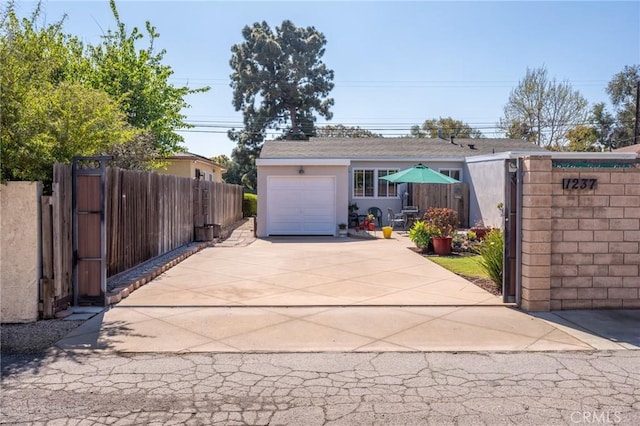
(396, 218)
(377, 213)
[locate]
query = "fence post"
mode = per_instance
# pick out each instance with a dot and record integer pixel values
(47, 290)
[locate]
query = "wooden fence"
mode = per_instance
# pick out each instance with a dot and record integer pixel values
(56, 284)
(148, 214)
(454, 196)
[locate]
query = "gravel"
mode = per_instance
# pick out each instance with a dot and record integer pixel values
(35, 337)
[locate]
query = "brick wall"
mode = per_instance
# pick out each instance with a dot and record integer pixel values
(595, 249)
(536, 233)
(580, 247)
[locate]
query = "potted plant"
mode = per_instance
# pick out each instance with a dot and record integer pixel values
(371, 222)
(480, 229)
(445, 221)
(342, 230)
(421, 233)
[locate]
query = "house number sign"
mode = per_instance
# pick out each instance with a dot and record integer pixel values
(582, 183)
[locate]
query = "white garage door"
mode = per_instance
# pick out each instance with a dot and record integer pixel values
(301, 205)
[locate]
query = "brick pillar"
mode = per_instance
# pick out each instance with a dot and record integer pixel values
(536, 233)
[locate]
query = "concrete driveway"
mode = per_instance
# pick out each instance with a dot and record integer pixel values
(314, 294)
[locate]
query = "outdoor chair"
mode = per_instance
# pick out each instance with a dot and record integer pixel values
(396, 218)
(377, 213)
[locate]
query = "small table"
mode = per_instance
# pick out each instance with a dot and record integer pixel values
(410, 216)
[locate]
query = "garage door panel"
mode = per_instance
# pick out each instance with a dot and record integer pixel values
(301, 205)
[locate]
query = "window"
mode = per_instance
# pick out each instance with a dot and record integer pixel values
(386, 188)
(367, 183)
(454, 173)
(363, 184)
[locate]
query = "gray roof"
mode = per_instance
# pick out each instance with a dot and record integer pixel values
(391, 148)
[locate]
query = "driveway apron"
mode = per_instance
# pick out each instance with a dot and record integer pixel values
(314, 294)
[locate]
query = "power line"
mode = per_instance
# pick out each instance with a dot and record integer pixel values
(467, 84)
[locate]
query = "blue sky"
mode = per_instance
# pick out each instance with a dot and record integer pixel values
(396, 63)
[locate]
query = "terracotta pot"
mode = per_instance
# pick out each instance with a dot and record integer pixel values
(442, 245)
(480, 232)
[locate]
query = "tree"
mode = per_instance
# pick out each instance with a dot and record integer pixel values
(603, 124)
(622, 91)
(47, 114)
(342, 131)
(546, 107)
(221, 160)
(279, 82)
(231, 175)
(518, 130)
(59, 122)
(139, 80)
(138, 153)
(583, 139)
(445, 127)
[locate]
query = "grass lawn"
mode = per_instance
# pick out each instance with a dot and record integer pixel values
(463, 265)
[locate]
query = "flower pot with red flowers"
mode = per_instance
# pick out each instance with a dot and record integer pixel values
(480, 229)
(445, 221)
(370, 222)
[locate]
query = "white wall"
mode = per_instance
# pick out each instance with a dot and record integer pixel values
(19, 251)
(342, 189)
(486, 181)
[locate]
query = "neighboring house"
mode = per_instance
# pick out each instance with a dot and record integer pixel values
(631, 148)
(187, 164)
(305, 187)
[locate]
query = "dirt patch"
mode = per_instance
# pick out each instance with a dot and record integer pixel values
(483, 283)
(35, 337)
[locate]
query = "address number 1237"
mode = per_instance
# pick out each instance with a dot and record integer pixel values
(574, 183)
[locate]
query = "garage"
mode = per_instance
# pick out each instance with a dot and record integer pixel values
(301, 205)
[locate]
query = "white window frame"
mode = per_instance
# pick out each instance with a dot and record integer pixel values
(387, 183)
(376, 179)
(447, 172)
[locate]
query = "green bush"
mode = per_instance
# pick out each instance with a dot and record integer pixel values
(421, 233)
(250, 205)
(491, 251)
(444, 219)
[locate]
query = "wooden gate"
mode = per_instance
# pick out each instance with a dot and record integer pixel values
(89, 230)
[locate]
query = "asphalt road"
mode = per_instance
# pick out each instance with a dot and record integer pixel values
(552, 388)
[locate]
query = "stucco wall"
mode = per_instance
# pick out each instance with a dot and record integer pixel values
(187, 168)
(19, 251)
(486, 181)
(342, 193)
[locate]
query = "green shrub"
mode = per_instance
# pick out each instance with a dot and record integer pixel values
(250, 205)
(421, 233)
(444, 219)
(491, 251)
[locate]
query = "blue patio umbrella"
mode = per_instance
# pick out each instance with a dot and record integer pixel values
(419, 174)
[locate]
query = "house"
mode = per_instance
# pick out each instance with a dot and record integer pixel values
(631, 148)
(188, 164)
(305, 187)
